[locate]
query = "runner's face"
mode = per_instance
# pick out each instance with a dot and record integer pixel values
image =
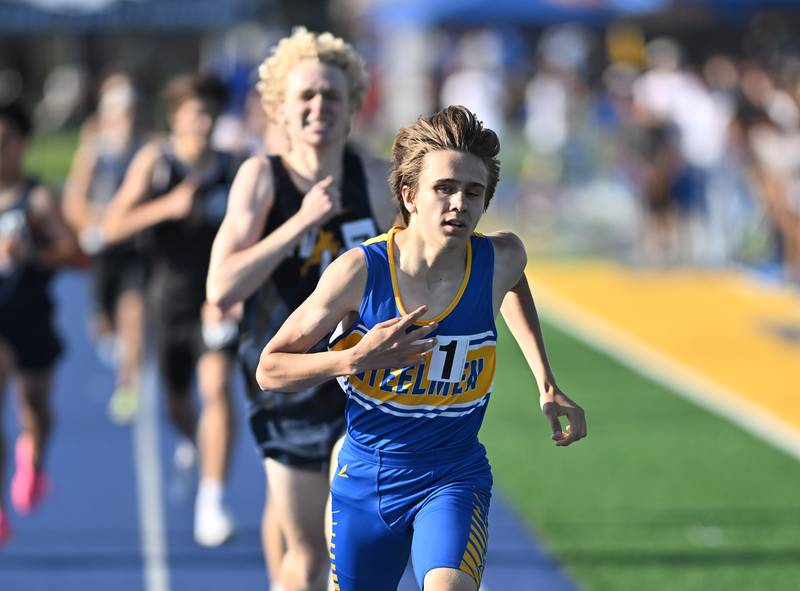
(193, 120)
(450, 196)
(316, 110)
(12, 147)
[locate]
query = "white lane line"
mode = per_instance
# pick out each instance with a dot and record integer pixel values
(644, 359)
(147, 457)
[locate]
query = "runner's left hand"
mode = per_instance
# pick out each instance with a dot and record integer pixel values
(557, 404)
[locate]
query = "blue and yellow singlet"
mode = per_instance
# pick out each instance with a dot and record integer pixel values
(441, 402)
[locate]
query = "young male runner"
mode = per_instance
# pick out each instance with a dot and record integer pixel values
(289, 216)
(34, 240)
(417, 362)
(176, 192)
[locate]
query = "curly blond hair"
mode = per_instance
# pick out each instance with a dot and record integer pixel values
(301, 45)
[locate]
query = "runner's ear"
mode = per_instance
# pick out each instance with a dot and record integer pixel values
(408, 199)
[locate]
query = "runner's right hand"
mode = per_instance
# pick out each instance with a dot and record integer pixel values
(322, 202)
(181, 198)
(388, 344)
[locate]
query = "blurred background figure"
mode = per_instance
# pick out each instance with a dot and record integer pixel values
(176, 192)
(34, 242)
(109, 140)
(64, 95)
(246, 134)
(477, 81)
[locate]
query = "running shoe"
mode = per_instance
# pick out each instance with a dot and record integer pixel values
(5, 528)
(183, 478)
(123, 405)
(213, 524)
(29, 484)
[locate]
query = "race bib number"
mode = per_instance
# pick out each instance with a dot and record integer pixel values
(447, 359)
(358, 231)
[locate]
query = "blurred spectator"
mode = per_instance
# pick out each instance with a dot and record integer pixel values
(689, 128)
(478, 82)
(250, 134)
(63, 97)
(776, 170)
(546, 108)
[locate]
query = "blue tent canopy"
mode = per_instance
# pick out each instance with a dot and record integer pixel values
(428, 13)
(20, 16)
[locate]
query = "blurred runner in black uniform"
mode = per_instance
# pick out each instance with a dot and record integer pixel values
(108, 142)
(289, 216)
(176, 193)
(34, 240)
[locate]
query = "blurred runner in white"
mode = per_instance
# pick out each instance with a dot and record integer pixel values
(109, 141)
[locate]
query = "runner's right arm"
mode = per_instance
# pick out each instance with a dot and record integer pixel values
(241, 260)
(129, 214)
(285, 366)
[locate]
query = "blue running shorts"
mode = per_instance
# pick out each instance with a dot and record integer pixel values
(388, 505)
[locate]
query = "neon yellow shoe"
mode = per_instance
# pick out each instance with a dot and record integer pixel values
(124, 405)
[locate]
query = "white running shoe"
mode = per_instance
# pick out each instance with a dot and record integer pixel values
(213, 524)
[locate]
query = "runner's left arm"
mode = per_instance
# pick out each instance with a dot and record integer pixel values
(519, 313)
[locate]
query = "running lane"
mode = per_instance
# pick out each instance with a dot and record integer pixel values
(85, 535)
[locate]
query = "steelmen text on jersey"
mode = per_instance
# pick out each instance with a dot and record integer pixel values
(455, 379)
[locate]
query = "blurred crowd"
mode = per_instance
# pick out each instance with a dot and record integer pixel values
(615, 143)
(631, 147)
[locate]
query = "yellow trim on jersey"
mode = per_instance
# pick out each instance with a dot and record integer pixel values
(382, 238)
(348, 342)
(396, 288)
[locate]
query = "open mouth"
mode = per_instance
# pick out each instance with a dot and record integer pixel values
(455, 224)
(319, 123)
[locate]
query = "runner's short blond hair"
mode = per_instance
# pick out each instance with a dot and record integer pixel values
(302, 45)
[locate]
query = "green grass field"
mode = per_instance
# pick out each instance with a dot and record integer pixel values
(49, 156)
(662, 495)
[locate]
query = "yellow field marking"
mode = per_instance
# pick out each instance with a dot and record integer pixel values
(706, 334)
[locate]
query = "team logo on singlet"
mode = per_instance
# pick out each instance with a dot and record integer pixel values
(320, 247)
(325, 248)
